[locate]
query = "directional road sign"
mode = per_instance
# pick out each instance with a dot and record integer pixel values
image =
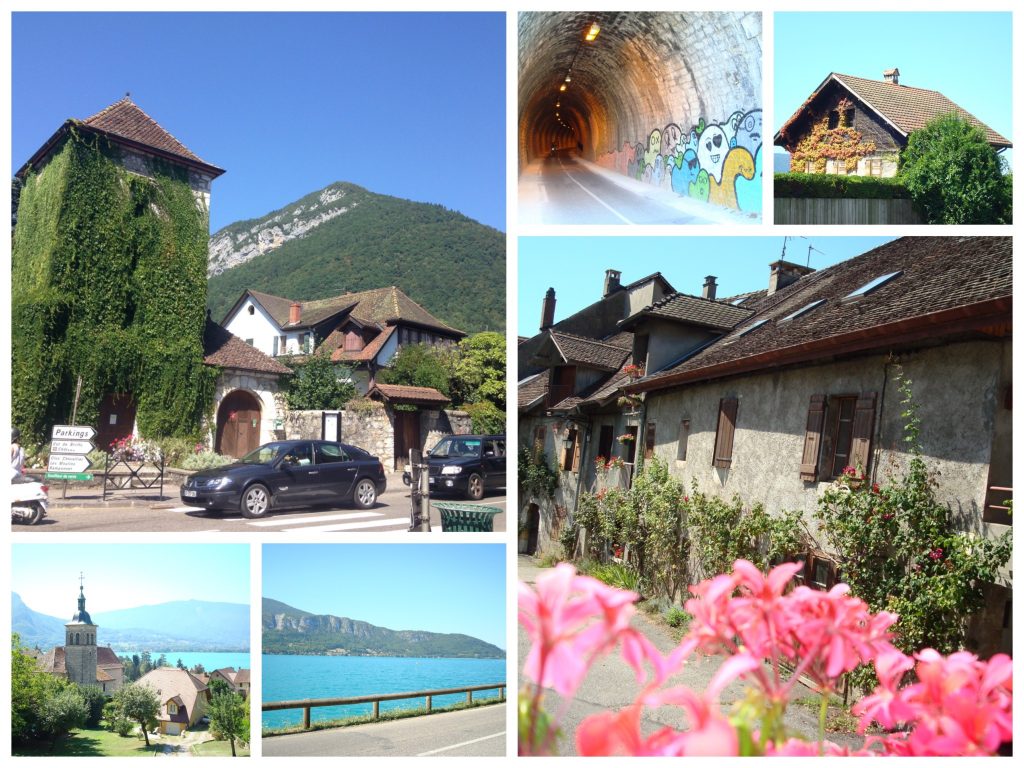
(64, 432)
(69, 476)
(62, 462)
(81, 447)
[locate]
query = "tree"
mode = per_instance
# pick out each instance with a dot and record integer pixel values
(161, 662)
(487, 418)
(95, 699)
(218, 687)
(954, 175)
(138, 703)
(319, 384)
(229, 718)
(180, 664)
(61, 712)
(419, 365)
(480, 370)
(198, 669)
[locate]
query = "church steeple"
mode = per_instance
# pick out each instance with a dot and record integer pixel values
(82, 615)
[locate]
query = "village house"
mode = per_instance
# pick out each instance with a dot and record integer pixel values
(183, 698)
(80, 659)
(238, 680)
(883, 112)
(772, 394)
(361, 331)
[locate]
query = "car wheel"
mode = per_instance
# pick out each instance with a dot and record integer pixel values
(475, 487)
(365, 494)
(255, 501)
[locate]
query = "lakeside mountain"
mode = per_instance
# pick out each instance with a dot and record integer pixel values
(294, 631)
(344, 238)
(182, 625)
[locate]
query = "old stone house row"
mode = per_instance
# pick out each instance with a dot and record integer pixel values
(772, 394)
(362, 331)
(884, 112)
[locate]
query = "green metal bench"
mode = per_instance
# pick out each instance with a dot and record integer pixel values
(466, 517)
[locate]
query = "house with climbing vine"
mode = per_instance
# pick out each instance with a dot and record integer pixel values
(108, 287)
(856, 126)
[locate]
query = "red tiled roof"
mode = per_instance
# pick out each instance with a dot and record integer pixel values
(906, 109)
(367, 353)
(400, 393)
(225, 350)
(124, 119)
(533, 390)
(591, 353)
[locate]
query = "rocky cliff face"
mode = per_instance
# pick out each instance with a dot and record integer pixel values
(305, 624)
(242, 241)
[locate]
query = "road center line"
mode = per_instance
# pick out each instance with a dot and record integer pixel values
(602, 202)
(286, 520)
(463, 744)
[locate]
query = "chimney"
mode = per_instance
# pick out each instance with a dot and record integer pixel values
(892, 76)
(547, 310)
(611, 282)
(710, 287)
(295, 313)
(785, 273)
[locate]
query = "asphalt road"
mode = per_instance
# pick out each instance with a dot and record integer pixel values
(136, 512)
(568, 192)
(477, 732)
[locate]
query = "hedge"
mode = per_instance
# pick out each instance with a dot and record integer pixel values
(833, 185)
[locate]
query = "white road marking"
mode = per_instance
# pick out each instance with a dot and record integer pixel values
(391, 522)
(463, 744)
(185, 509)
(602, 202)
(286, 520)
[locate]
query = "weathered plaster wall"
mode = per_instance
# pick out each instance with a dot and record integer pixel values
(957, 389)
(671, 99)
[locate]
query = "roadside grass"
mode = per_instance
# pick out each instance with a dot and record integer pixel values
(837, 719)
(92, 742)
(218, 749)
(392, 714)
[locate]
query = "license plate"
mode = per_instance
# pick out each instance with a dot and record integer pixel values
(189, 494)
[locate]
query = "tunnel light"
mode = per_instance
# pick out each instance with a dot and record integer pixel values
(568, 79)
(561, 87)
(592, 33)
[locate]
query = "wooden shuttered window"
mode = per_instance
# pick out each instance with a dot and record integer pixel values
(863, 429)
(538, 440)
(812, 438)
(649, 440)
(727, 407)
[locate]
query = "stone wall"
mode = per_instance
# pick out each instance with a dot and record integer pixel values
(374, 430)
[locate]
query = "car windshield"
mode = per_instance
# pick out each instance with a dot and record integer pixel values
(451, 447)
(265, 454)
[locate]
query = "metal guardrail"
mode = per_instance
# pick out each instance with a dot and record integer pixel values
(306, 705)
(122, 475)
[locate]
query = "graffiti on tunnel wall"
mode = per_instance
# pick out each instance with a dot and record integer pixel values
(714, 162)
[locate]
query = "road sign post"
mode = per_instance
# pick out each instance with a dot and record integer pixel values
(69, 446)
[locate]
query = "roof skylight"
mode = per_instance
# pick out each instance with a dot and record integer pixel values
(803, 310)
(740, 300)
(867, 288)
(752, 327)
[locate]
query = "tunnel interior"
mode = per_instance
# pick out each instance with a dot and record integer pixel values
(649, 88)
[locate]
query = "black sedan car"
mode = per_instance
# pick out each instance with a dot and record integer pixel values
(289, 473)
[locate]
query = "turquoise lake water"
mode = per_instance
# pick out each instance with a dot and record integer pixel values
(210, 661)
(322, 677)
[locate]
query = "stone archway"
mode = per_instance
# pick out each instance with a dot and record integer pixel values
(238, 424)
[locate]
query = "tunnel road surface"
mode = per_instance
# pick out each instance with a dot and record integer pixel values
(477, 732)
(568, 192)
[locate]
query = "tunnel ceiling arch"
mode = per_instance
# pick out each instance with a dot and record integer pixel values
(644, 71)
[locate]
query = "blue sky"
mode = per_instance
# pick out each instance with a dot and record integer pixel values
(433, 587)
(575, 266)
(965, 56)
(127, 575)
(410, 105)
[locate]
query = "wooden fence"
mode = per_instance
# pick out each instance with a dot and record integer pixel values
(836, 210)
(306, 705)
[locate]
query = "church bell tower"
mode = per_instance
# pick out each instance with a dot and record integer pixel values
(80, 644)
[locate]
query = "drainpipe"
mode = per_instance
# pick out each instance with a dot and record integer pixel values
(876, 437)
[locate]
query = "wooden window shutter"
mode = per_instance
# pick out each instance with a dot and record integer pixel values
(649, 440)
(577, 451)
(727, 407)
(863, 429)
(538, 440)
(812, 438)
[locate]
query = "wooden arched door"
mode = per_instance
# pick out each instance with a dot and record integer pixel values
(238, 424)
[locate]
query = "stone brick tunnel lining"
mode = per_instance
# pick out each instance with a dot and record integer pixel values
(650, 85)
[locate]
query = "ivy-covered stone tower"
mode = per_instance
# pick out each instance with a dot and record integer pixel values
(80, 655)
(108, 280)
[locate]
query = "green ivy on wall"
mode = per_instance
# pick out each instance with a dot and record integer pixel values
(108, 282)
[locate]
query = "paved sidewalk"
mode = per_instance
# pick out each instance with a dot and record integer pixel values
(611, 684)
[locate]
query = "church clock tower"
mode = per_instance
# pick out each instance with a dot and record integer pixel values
(80, 644)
